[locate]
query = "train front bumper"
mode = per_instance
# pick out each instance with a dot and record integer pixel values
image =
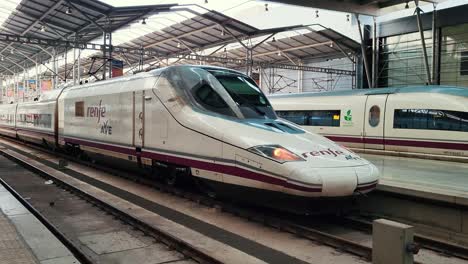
(337, 182)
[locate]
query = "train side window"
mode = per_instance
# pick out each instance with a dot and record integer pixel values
(298, 117)
(329, 118)
(374, 116)
(431, 119)
(79, 109)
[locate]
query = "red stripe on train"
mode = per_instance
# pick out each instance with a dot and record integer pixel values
(231, 170)
(401, 142)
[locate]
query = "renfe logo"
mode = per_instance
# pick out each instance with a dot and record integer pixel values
(96, 111)
(329, 151)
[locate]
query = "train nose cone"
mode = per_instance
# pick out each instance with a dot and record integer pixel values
(338, 181)
(368, 177)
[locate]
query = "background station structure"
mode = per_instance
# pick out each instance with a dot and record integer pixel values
(43, 46)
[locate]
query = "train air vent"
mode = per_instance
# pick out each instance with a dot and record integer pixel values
(274, 126)
(290, 129)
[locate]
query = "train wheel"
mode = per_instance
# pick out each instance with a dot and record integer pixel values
(206, 188)
(176, 175)
(171, 178)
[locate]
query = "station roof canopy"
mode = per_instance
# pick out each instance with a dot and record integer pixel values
(62, 19)
(319, 43)
(207, 33)
(184, 40)
(202, 31)
(365, 7)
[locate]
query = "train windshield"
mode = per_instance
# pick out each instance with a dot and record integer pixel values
(248, 98)
(218, 91)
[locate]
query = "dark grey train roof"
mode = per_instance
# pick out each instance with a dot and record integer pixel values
(442, 89)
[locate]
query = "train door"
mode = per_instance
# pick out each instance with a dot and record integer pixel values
(374, 118)
(139, 119)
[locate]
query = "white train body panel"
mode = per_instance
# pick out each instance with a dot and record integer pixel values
(35, 121)
(8, 119)
(392, 133)
(155, 117)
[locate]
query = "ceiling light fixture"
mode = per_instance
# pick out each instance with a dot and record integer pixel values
(178, 44)
(347, 17)
(3, 58)
(273, 39)
(316, 14)
(266, 8)
(407, 5)
(68, 10)
(279, 53)
(331, 45)
(43, 29)
(222, 32)
(12, 51)
(143, 22)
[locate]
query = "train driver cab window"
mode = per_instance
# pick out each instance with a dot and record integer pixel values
(211, 100)
(374, 116)
(245, 93)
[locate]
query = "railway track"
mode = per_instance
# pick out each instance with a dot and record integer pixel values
(54, 217)
(298, 225)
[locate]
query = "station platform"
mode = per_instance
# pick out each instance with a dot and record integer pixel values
(444, 181)
(24, 239)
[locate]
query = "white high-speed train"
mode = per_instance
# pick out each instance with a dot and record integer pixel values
(421, 119)
(212, 124)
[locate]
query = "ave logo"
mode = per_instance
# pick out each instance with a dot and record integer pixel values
(99, 112)
(106, 128)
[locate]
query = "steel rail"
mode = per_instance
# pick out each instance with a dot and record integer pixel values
(305, 231)
(168, 239)
(69, 244)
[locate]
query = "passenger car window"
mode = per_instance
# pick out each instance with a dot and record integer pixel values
(431, 119)
(374, 116)
(298, 117)
(330, 118)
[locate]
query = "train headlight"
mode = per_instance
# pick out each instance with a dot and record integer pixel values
(276, 152)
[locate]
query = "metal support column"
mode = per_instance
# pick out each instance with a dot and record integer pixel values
(140, 63)
(38, 88)
(249, 61)
(54, 69)
(435, 48)
(16, 87)
(25, 85)
(74, 67)
(374, 54)
(300, 79)
(1, 89)
(65, 65)
(423, 42)
(78, 63)
(104, 60)
(110, 54)
(363, 51)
